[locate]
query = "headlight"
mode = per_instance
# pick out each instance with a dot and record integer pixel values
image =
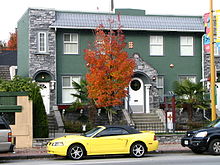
(201, 134)
(57, 144)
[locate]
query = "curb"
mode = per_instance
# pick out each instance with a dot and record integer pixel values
(17, 157)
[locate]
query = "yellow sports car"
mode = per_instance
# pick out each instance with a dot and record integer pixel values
(104, 140)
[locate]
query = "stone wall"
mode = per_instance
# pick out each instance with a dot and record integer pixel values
(39, 21)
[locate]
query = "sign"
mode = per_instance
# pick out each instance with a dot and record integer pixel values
(206, 41)
(207, 23)
(169, 120)
(218, 28)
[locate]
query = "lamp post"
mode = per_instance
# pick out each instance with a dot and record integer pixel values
(212, 63)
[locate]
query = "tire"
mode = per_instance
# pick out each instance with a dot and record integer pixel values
(214, 147)
(76, 152)
(137, 150)
(197, 151)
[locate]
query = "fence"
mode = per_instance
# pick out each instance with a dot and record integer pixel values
(177, 127)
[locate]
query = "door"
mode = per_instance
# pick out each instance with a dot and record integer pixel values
(110, 141)
(45, 93)
(136, 95)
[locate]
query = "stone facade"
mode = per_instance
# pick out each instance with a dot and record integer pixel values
(151, 74)
(39, 21)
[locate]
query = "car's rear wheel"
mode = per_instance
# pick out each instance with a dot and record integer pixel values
(214, 147)
(76, 152)
(137, 150)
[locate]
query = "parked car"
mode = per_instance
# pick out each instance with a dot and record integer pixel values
(5, 136)
(104, 140)
(205, 139)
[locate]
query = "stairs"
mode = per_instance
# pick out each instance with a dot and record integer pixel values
(148, 121)
(52, 124)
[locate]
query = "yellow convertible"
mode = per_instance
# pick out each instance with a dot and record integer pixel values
(104, 140)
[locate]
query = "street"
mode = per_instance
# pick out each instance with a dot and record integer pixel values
(150, 159)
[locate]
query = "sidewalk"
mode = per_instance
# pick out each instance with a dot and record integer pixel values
(40, 152)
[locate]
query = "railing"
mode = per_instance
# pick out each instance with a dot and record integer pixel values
(177, 127)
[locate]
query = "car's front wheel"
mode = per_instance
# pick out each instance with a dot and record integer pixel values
(137, 150)
(214, 147)
(76, 152)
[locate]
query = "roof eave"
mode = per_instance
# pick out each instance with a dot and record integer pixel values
(135, 29)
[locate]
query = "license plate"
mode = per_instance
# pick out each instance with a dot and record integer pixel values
(186, 142)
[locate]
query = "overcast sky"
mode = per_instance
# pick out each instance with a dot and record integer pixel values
(12, 10)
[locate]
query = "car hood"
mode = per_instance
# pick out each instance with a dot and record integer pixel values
(209, 129)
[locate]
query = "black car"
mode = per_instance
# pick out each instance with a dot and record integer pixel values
(205, 139)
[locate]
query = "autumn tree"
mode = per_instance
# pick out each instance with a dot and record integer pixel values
(109, 69)
(12, 42)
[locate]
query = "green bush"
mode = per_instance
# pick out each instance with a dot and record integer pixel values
(20, 84)
(76, 126)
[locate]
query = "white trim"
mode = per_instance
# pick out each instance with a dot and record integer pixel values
(45, 42)
(136, 29)
(191, 46)
(71, 42)
(156, 44)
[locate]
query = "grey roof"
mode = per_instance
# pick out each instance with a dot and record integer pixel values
(147, 22)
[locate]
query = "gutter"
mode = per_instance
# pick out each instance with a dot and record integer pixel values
(135, 29)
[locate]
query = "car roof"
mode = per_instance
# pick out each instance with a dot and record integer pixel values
(127, 128)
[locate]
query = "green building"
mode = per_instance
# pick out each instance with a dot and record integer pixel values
(166, 48)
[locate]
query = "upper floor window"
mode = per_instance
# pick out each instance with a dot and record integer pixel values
(67, 88)
(42, 42)
(190, 78)
(70, 41)
(156, 45)
(186, 46)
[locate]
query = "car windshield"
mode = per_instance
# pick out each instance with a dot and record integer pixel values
(92, 132)
(215, 123)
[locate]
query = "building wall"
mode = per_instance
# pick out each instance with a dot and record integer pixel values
(23, 45)
(191, 65)
(40, 20)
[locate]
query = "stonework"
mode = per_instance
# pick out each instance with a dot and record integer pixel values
(39, 21)
(151, 73)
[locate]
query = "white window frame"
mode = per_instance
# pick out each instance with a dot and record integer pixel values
(157, 44)
(187, 77)
(40, 44)
(216, 51)
(71, 99)
(160, 87)
(71, 42)
(183, 45)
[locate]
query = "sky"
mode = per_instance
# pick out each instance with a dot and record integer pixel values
(12, 10)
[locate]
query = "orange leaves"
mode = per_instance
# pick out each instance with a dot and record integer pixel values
(109, 68)
(12, 43)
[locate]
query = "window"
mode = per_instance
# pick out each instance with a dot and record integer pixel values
(156, 45)
(70, 41)
(160, 87)
(186, 46)
(190, 78)
(112, 132)
(67, 88)
(42, 42)
(216, 50)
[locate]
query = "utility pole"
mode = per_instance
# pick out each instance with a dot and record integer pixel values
(212, 63)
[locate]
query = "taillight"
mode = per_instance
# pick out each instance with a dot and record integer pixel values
(155, 138)
(9, 137)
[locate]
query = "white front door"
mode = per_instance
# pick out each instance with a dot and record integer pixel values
(45, 93)
(136, 95)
